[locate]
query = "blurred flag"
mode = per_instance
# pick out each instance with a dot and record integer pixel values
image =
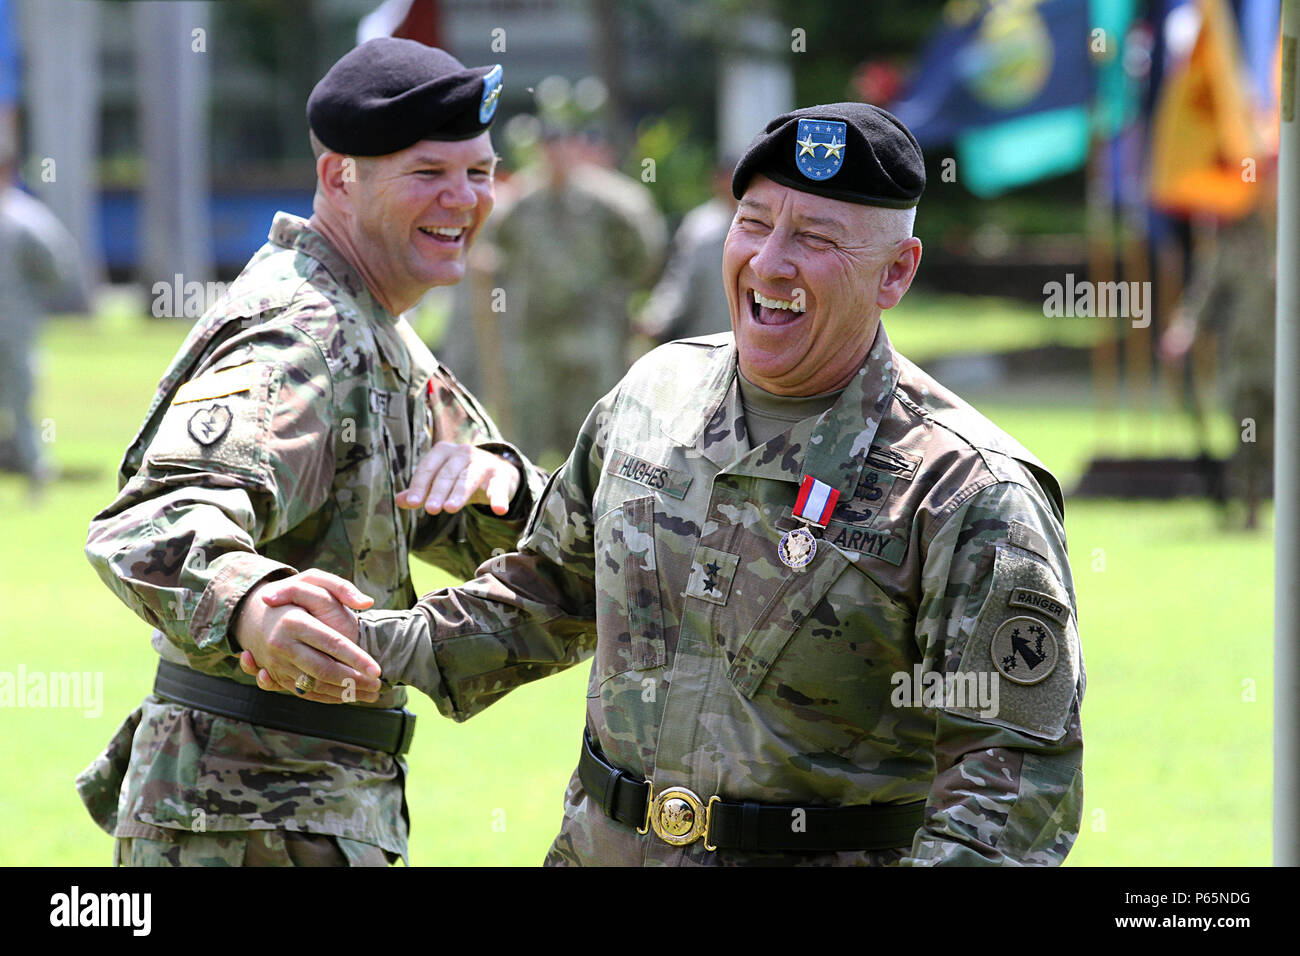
(1010, 82)
(10, 66)
(994, 159)
(1203, 129)
(409, 19)
(994, 60)
(1118, 53)
(1259, 45)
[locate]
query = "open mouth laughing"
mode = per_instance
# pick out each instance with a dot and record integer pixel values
(447, 234)
(769, 310)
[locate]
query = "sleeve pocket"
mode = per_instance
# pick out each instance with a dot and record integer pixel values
(1025, 643)
(226, 433)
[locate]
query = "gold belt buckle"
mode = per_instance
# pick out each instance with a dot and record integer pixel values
(679, 817)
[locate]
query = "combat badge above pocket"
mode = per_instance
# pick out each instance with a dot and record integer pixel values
(1026, 640)
(219, 421)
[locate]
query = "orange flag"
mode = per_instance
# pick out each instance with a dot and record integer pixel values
(1204, 143)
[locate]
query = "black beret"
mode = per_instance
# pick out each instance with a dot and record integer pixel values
(389, 93)
(855, 152)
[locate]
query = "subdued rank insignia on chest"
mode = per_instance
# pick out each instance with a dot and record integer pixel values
(1024, 650)
(379, 401)
(711, 574)
(655, 477)
(208, 425)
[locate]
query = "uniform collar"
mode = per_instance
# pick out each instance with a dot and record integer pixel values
(832, 447)
(293, 232)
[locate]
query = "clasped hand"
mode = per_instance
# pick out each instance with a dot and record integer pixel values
(306, 625)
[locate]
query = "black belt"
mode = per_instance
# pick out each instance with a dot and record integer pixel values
(680, 817)
(371, 727)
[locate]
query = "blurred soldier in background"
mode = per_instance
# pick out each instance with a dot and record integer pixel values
(689, 299)
(40, 271)
(580, 239)
(1231, 298)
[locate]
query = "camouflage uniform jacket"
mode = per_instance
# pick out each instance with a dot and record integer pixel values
(277, 440)
(720, 669)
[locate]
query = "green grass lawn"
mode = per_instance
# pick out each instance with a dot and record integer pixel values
(1175, 617)
(926, 324)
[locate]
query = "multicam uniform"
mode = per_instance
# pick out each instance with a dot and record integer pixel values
(1232, 296)
(690, 299)
(570, 257)
(720, 669)
(276, 442)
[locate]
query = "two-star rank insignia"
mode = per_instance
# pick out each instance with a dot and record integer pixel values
(1024, 650)
(208, 425)
(830, 136)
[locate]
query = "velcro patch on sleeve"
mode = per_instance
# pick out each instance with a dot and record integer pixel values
(1025, 639)
(1023, 536)
(221, 433)
(221, 383)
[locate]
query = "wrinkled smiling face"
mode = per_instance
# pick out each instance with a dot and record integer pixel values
(419, 210)
(806, 279)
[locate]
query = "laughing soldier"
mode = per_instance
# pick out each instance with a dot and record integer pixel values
(298, 419)
(755, 533)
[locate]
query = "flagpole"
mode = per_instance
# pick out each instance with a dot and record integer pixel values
(1286, 466)
(1101, 268)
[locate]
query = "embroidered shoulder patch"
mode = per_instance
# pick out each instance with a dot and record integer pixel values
(207, 426)
(1024, 650)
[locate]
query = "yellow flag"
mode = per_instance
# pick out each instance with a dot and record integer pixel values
(1204, 144)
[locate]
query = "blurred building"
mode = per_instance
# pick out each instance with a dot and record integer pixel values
(178, 128)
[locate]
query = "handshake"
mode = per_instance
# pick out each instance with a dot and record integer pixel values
(299, 634)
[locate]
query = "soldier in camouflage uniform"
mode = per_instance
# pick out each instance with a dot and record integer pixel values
(575, 244)
(688, 299)
(830, 605)
(40, 271)
(282, 437)
(1232, 297)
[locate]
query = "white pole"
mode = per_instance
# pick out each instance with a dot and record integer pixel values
(1286, 468)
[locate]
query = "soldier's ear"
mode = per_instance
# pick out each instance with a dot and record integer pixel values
(898, 275)
(336, 177)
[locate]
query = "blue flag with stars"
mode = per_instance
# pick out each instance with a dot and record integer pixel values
(9, 63)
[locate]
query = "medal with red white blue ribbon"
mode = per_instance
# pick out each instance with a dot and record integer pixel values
(812, 507)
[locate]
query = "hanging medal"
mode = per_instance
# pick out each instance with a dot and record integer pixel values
(812, 507)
